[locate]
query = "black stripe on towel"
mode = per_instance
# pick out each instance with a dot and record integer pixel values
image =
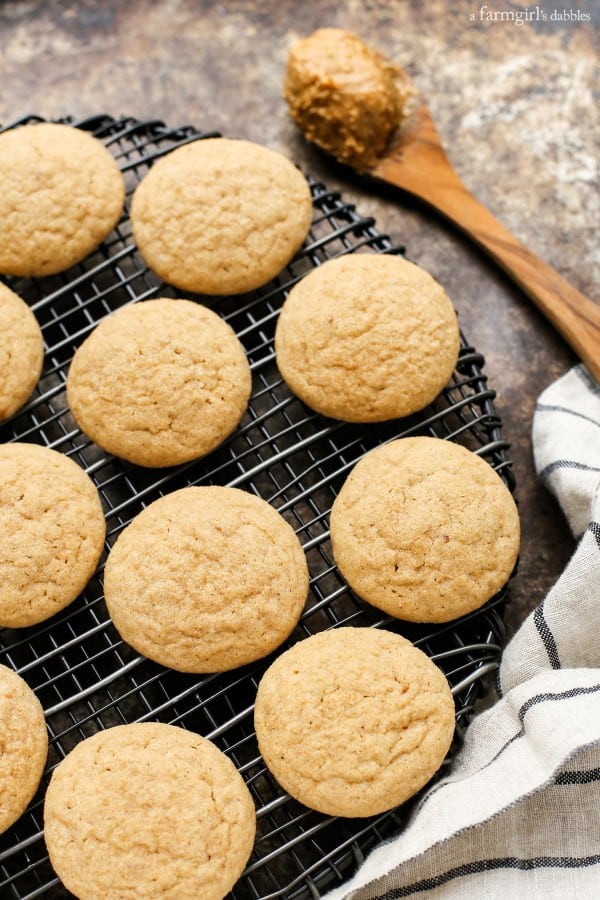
(547, 407)
(594, 527)
(566, 464)
(549, 696)
(590, 383)
(588, 776)
(490, 865)
(547, 637)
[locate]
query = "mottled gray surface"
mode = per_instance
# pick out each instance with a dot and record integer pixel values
(513, 104)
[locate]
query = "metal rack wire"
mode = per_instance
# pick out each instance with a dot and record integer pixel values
(87, 679)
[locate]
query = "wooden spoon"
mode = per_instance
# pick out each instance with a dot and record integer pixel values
(417, 163)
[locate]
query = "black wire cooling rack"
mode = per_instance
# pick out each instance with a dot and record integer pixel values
(87, 679)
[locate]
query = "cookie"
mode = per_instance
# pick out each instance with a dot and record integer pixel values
(61, 193)
(160, 382)
(425, 530)
(367, 338)
(206, 579)
(147, 811)
(221, 216)
(353, 721)
(21, 352)
(52, 528)
(23, 746)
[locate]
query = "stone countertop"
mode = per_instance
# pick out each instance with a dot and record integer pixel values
(513, 101)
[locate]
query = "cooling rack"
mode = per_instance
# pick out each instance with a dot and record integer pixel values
(87, 679)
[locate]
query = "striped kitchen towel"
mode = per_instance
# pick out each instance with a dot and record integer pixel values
(519, 813)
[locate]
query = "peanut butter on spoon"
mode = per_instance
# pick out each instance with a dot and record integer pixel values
(360, 107)
(346, 98)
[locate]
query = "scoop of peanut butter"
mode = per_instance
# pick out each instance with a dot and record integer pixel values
(347, 98)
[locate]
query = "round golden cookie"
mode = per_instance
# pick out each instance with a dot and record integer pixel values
(353, 721)
(148, 811)
(425, 530)
(23, 746)
(206, 579)
(52, 528)
(21, 352)
(367, 338)
(159, 382)
(61, 193)
(221, 216)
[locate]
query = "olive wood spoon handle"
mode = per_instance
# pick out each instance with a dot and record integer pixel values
(417, 163)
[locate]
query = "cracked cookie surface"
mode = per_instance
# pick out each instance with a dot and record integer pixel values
(206, 579)
(52, 528)
(61, 193)
(145, 811)
(21, 352)
(353, 721)
(367, 338)
(221, 216)
(160, 382)
(23, 746)
(425, 530)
